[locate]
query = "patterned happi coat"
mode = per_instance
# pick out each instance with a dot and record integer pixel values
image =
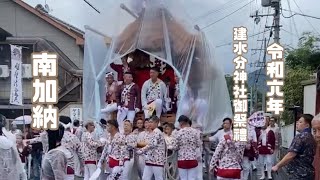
(129, 96)
(155, 150)
(183, 140)
(152, 91)
(228, 155)
(89, 147)
(72, 143)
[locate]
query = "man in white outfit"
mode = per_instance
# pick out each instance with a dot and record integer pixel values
(185, 138)
(153, 94)
(155, 152)
(219, 136)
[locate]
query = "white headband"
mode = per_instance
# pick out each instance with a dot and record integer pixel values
(129, 60)
(109, 74)
(66, 126)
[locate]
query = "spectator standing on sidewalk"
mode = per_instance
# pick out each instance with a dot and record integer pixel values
(301, 153)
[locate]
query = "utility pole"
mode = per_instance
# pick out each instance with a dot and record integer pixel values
(265, 78)
(276, 37)
(276, 17)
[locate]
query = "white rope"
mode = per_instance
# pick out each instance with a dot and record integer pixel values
(170, 166)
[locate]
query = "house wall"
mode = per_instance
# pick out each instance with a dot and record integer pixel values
(309, 99)
(22, 23)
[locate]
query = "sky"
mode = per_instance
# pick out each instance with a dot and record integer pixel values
(202, 13)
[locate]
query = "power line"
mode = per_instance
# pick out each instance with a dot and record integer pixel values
(253, 35)
(306, 18)
(226, 16)
(295, 13)
(296, 35)
(218, 9)
(293, 20)
(91, 6)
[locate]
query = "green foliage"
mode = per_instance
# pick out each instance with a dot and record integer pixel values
(293, 90)
(307, 54)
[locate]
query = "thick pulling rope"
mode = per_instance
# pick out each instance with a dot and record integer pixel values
(170, 166)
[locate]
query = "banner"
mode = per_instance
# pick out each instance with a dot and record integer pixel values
(16, 97)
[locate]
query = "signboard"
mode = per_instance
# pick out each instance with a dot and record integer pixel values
(76, 114)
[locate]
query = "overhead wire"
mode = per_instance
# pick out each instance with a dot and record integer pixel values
(295, 35)
(250, 36)
(226, 15)
(306, 18)
(222, 8)
(293, 21)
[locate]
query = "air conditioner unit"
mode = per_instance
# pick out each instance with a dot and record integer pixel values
(26, 71)
(4, 71)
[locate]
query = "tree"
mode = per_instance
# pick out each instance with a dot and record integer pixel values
(293, 90)
(307, 54)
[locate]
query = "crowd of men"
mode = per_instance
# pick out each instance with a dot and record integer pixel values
(121, 148)
(101, 151)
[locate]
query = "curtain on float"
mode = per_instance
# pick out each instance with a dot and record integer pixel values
(159, 28)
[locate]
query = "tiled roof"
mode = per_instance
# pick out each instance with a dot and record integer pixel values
(40, 11)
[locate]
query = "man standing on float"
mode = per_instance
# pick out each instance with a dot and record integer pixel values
(111, 91)
(128, 100)
(153, 94)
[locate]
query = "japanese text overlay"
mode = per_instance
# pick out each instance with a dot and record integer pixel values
(275, 70)
(240, 102)
(45, 82)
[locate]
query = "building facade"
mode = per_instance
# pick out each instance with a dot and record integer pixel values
(36, 30)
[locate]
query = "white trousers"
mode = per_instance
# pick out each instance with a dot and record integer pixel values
(274, 156)
(109, 108)
(199, 170)
(265, 160)
(246, 167)
(141, 165)
(69, 177)
(149, 171)
(158, 109)
(127, 170)
(124, 114)
(221, 178)
(188, 174)
(89, 169)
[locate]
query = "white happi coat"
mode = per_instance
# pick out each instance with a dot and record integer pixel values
(184, 139)
(54, 164)
(219, 136)
(43, 138)
(151, 91)
(10, 162)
